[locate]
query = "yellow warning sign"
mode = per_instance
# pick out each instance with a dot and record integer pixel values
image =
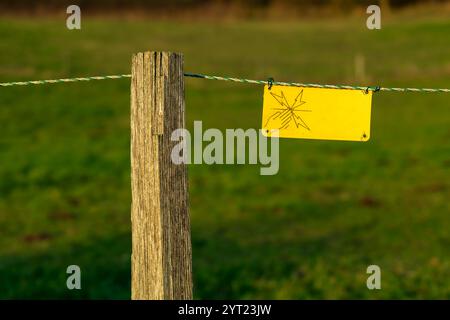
(317, 113)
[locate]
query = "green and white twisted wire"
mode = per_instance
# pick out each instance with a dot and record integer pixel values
(315, 85)
(31, 82)
(240, 80)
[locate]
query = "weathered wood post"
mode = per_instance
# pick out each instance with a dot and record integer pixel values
(161, 260)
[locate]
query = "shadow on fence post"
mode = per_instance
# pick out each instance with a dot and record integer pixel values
(161, 263)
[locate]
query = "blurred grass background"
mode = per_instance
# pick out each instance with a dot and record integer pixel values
(309, 232)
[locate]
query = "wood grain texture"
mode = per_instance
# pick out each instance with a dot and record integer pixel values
(161, 241)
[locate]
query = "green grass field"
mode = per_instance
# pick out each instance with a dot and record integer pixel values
(308, 232)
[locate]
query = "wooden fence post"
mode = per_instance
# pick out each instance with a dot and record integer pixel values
(161, 260)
